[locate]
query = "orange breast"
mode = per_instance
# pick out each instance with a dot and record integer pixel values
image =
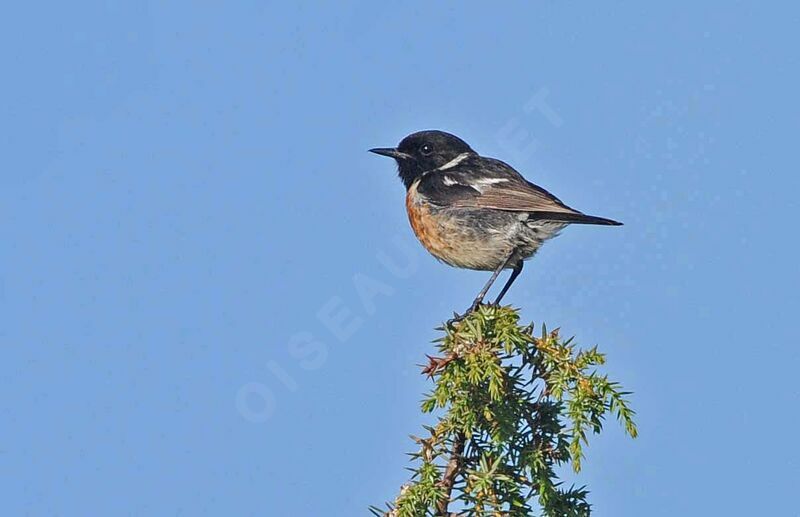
(449, 237)
(426, 227)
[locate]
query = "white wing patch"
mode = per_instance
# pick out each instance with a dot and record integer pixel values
(479, 184)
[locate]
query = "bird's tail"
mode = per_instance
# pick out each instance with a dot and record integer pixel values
(575, 218)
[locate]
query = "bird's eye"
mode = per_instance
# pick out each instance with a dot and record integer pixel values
(426, 149)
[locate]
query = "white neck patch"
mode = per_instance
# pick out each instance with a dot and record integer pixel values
(452, 163)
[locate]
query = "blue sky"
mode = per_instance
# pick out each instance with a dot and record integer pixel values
(211, 302)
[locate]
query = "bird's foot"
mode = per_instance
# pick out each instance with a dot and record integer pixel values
(455, 319)
(458, 317)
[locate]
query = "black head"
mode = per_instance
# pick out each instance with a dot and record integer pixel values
(424, 151)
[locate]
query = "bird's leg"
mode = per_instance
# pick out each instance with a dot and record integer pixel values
(479, 299)
(514, 274)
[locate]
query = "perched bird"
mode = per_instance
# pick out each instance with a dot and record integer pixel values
(474, 212)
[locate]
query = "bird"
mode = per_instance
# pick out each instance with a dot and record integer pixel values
(475, 212)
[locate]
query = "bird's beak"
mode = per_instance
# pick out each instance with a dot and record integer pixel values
(390, 152)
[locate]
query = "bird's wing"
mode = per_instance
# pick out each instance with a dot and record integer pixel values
(496, 185)
(517, 197)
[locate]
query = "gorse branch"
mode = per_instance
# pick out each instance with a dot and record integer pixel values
(512, 408)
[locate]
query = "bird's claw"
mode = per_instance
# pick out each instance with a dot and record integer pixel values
(456, 318)
(472, 308)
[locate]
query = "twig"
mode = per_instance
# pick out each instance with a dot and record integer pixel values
(450, 473)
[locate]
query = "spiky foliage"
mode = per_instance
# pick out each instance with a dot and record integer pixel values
(512, 408)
